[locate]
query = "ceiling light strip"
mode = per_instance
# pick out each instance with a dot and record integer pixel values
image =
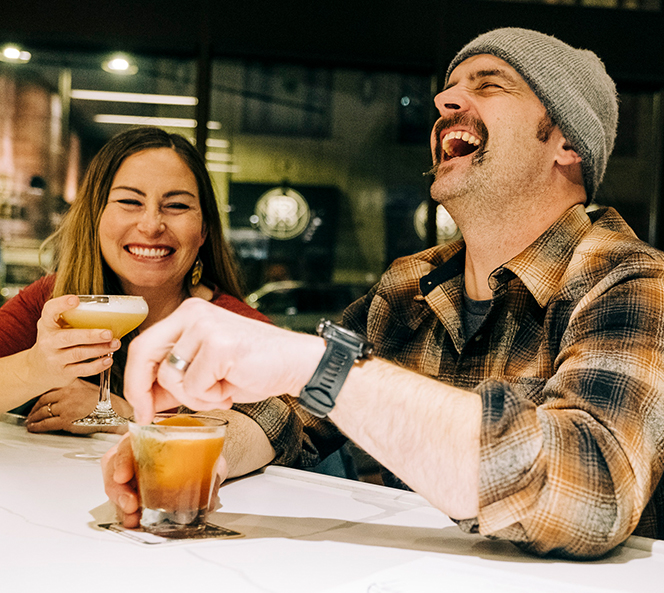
(217, 143)
(117, 97)
(168, 122)
(218, 156)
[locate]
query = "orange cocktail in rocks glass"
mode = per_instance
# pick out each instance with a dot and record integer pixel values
(175, 463)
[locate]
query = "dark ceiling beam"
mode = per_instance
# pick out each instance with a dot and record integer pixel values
(631, 43)
(151, 26)
(413, 35)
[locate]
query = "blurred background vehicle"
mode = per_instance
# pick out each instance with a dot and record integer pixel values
(299, 305)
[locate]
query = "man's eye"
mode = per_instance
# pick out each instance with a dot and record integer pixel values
(489, 85)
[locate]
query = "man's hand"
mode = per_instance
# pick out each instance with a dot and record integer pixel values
(232, 358)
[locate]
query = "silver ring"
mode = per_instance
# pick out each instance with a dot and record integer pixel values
(179, 364)
(48, 407)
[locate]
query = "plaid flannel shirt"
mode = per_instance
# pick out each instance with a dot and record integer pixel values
(569, 363)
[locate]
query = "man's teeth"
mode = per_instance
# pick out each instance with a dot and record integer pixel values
(149, 252)
(465, 136)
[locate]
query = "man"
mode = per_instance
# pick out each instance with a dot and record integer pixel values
(517, 380)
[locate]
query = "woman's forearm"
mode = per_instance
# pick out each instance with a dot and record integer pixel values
(20, 382)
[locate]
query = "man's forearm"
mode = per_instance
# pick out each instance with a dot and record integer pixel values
(246, 447)
(425, 432)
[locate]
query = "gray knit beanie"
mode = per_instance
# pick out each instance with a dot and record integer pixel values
(572, 84)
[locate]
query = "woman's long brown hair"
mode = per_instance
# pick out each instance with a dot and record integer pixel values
(77, 258)
(77, 255)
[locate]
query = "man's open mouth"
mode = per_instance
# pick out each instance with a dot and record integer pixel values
(457, 144)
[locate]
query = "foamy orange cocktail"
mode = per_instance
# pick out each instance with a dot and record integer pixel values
(175, 461)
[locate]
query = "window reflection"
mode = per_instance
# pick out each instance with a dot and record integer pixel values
(352, 143)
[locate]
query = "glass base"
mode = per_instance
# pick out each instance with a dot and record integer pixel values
(174, 524)
(101, 418)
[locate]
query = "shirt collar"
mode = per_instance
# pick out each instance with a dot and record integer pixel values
(451, 268)
(543, 263)
(540, 266)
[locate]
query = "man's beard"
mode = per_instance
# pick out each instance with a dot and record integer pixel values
(478, 181)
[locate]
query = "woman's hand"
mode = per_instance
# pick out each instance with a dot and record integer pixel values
(62, 354)
(121, 486)
(58, 408)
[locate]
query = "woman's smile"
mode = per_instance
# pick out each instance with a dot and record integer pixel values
(149, 253)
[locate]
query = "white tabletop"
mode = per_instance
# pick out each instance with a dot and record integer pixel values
(302, 533)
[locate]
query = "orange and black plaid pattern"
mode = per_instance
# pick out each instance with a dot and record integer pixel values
(569, 363)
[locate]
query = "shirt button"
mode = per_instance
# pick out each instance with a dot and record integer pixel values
(477, 338)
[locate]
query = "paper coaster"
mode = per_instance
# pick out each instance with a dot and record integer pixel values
(142, 537)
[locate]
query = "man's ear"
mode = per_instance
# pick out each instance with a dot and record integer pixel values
(566, 155)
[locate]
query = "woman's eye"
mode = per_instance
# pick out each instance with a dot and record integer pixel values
(177, 206)
(129, 202)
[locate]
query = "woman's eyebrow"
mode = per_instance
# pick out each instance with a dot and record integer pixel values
(127, 188)
(170, 194)
(179, 192)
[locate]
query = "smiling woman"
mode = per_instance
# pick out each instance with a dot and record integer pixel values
(152, 227)
(145, 223)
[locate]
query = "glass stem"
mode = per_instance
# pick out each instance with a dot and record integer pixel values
(105, 390)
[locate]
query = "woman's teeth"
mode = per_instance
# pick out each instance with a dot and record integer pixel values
(149, 251)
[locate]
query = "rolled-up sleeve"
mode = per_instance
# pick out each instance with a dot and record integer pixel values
(570, 470)
(298, 438)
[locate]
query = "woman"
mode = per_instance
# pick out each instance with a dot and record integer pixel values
(145, 223)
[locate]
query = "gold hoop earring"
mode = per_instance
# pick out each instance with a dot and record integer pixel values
(197, 272)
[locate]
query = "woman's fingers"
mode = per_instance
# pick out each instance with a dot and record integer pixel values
(89, 368)
(54, 308)
(42, 418)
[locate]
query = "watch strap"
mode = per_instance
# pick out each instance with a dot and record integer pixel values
(319, 395)
(343, 348)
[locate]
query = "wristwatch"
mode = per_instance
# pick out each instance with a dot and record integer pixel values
(344, 347)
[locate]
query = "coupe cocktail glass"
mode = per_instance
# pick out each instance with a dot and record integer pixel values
(121, 314)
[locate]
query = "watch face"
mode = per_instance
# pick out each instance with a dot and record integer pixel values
(320, 328)
(346, 338)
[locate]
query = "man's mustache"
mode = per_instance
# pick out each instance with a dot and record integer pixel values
(431, 171)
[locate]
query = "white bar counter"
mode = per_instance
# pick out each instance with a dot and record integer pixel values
(302, 532)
